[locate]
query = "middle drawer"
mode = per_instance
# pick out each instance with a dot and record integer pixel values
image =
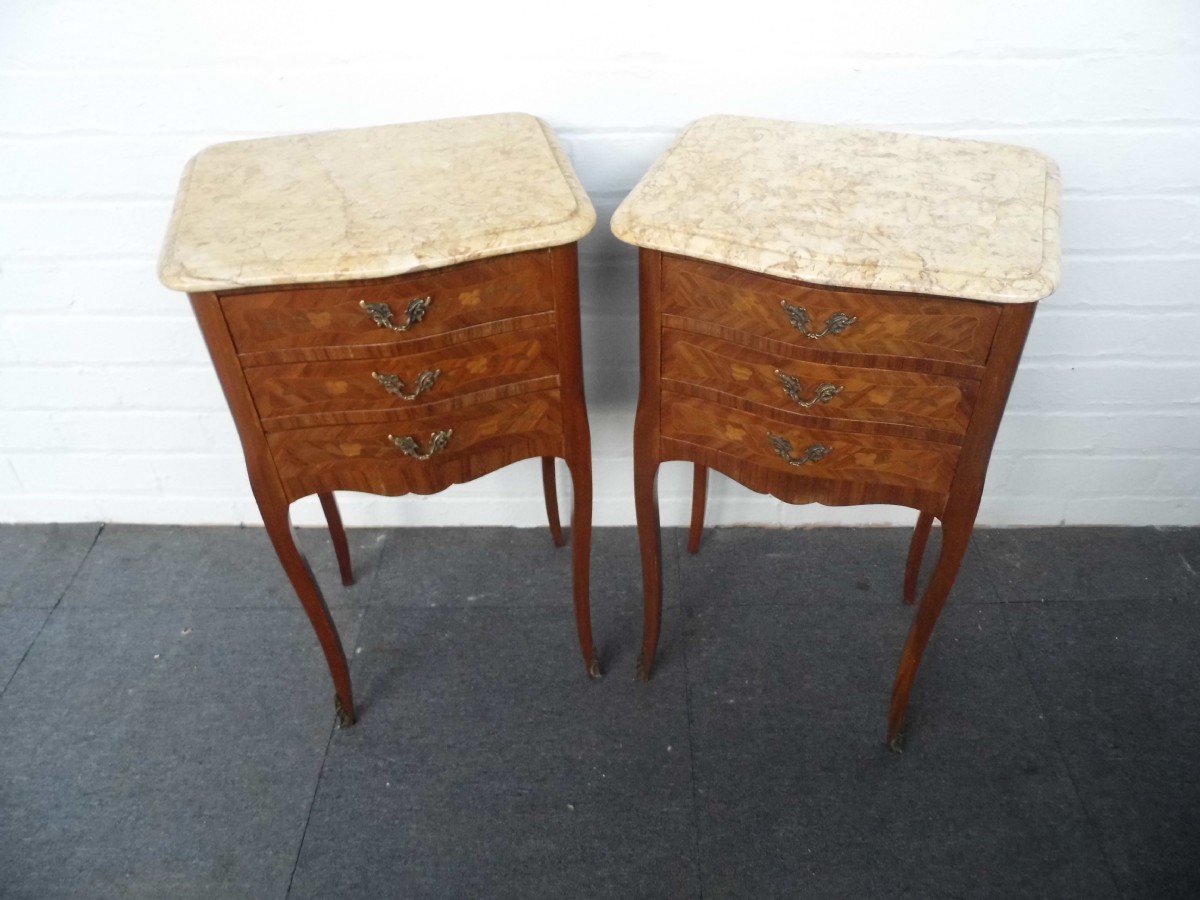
(297, 395)
(724, 370)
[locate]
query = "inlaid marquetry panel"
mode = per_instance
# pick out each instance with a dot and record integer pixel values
(314, 393)
(850, 457)
(364, 458)
(460, 298)
(797, 385)
(915, 327)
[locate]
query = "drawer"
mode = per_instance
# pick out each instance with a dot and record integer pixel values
(474, 296)
(727, 370)
(734, 302)
(481, 438)
(922, 466)
(326, 393)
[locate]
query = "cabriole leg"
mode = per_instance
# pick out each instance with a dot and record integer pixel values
(581, 549)
(550, 490)
(699, 499)
(338, 534)
(916, 553)
(650, 539)
(300, 575)
(955, 537)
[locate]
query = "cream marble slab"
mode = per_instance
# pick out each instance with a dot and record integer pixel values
(371, 202)
(854, 208)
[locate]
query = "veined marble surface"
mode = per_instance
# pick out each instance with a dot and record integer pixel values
(370, 202)
(854, 208)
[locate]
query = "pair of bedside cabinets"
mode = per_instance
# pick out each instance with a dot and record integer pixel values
(827, 315)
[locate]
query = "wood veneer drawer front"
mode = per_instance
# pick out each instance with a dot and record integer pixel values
(925, 466)
(817, 389)
(460, 297)
(957, 331)
(288, 395)
(480, 439)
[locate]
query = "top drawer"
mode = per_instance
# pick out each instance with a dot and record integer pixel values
(812, 318)
(459, 297)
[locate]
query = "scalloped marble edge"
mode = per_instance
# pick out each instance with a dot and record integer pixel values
(1021, 287)
(175, 275)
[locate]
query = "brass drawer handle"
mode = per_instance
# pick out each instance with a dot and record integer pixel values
(835, 324)
(394, 385)
(438, 441)
(814, 453)
(822, 393)
(381, 314)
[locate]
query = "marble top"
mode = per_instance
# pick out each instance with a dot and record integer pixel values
(854, 208)
(370, 202)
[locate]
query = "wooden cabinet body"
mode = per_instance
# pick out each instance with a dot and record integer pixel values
(350, 386)
(817, 394)
(835, 315)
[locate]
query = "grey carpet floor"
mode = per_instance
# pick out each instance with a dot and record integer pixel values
(167, 728)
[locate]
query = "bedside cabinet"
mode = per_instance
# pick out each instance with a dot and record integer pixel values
(833, 315)
(391, 310)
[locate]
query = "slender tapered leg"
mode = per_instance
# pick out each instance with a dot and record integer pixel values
(916, 553)
(650, 537)
(581, 549)
(273, 502)
(577, 448)
(550, 490)
(296, 567)
(338, 535)
(699, 498)
(958, 517)
(955, 537)
(647, 436)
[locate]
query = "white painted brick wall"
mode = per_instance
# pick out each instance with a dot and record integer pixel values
(109, 409)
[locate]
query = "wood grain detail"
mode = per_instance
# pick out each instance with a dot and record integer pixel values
(924, 466)
(924, 383)
(296, 367)
(362, 458)
(297, 395)
(314, 316)
(739, 374)
(898, 325)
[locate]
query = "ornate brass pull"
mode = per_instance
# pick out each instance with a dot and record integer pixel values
(835, 324)
(381, 314)
(395, 386)
(438, 441)
(814, 452)
(822, 393)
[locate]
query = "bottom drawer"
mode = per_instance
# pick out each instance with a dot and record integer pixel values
(728, 439)
(474, 441)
